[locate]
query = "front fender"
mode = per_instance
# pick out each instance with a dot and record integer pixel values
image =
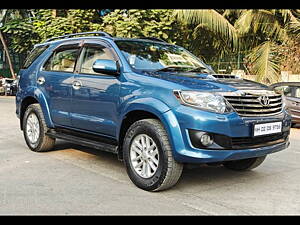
(151, 105)
(167, 118)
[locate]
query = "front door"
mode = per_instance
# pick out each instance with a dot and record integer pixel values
(95, 95)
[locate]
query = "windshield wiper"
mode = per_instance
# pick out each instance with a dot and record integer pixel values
(171, 68)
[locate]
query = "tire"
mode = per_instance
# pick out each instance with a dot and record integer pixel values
(244, 164)
(150, 168)
(35, 128)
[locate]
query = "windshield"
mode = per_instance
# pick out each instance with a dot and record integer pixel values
(153, 56)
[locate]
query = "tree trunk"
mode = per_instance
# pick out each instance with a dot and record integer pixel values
(8, 56)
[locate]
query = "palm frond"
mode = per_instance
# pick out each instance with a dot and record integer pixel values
(202, 34)
(293, 24)
(211, 19)
(243, 23)
(264, 21)
(265, 64)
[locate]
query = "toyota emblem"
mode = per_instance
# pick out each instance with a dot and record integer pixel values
(264, 100)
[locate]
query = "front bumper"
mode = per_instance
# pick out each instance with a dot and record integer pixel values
(181, 120)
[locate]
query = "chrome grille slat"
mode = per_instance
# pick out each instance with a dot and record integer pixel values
(263, 114)
(250, 100)
(249, 105)
(254, 105)
(258, 110)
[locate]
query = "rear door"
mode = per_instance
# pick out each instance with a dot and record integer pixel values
(56, 79)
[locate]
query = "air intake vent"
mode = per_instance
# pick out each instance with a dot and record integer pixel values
(225, 76)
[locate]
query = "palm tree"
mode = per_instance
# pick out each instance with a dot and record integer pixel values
(259, 32)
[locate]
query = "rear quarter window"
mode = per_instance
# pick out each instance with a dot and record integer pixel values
(33, 55)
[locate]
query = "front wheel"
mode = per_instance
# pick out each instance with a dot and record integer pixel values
(148, 156)
(244, 164)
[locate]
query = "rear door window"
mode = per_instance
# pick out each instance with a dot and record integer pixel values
(63, 59)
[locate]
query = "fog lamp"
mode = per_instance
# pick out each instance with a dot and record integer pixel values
(206, 140)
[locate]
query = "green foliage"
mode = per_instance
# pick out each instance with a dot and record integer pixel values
(74, 21)
(159, 23)
(23, 34)
(211, 33)
(265, 62)
(47, 23)
(258, 33)
(212, 21)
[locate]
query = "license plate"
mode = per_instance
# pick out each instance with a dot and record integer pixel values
(267, 128)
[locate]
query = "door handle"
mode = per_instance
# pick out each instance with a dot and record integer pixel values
(41, 80)
(76, 85)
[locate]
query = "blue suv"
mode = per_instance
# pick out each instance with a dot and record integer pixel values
(154, 104)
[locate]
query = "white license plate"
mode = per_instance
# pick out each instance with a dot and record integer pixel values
(267, 128)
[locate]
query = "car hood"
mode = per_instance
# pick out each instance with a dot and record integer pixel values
(209, 82)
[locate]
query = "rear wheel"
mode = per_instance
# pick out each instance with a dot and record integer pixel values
(244, 164)
(35, 128)
(148, 156)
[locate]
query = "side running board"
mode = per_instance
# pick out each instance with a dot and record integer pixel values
(83, 141)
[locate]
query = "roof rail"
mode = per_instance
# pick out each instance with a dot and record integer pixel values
(102, 33)
(153, 39)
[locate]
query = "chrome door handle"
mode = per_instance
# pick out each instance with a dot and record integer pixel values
(76, 85)
(41, 80)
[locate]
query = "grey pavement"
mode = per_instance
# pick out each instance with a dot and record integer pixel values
(74, 180)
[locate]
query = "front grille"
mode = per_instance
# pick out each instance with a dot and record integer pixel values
(250, 105)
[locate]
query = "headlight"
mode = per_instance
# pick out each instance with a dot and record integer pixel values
(203, 100)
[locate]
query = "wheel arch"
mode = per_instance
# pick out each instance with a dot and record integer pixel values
(144, 108)
(36, 97)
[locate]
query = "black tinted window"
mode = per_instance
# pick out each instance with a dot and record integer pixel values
(33, 55)
(62, 60)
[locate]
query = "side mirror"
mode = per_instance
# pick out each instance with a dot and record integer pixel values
(106, 66)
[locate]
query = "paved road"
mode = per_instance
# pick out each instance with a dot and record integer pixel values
(81, 181)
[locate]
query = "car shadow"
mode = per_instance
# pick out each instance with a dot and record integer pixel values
(202, 177)
(99, 155)
(209, 177)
